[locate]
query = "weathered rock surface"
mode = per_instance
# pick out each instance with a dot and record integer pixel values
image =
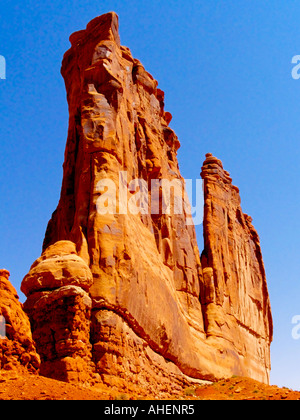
(59, 308)
(17, 349)
(235, 299)
(156, 315)
(58, 266)
(145, 267)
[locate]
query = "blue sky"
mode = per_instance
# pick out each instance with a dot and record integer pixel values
(226, 70)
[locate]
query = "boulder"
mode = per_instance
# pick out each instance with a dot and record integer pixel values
(59, 309)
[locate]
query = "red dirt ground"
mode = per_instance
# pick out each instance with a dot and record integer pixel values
(32, 387)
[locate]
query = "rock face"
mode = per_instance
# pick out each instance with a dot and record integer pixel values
(59, 308)
(17, 350)
(156, 316)
(234, 296)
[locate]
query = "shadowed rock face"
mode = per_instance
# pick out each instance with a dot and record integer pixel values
(156, 315)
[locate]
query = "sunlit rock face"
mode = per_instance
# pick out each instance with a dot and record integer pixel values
(235, 297)
(17, 349)
(156, 315)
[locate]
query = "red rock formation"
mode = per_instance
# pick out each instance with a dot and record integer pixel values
(145, 267)
(17, 349)
(59, 308)
(235, 299)
(148, 324)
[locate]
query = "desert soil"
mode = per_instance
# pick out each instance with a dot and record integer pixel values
(31, 387)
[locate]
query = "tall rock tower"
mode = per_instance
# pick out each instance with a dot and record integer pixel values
(154, 314)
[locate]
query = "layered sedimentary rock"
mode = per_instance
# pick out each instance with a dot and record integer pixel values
(145, 266)
(59, 308)
(123, 205)
(234, 295)
(17, 349)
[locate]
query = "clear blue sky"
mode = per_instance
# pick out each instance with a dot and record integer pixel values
(226, 69)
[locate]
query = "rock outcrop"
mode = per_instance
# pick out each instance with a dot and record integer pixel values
(17, 349)
(145, 266)
(235, 299)
(59, 308)
(156, 316)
